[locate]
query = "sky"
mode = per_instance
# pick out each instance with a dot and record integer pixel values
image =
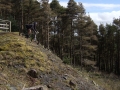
(101, 11)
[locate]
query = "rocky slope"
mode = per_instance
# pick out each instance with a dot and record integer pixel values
(24, 65)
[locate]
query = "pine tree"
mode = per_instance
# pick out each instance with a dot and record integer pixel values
(46, 16)
(116, 22)
(55, 6)
(72, 12)
(86, 38)
(57, 27)
(5, 8)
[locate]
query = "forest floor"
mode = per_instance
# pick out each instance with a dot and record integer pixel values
(19, 55)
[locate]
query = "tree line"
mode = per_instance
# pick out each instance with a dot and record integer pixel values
(68, 31)
(108, 52)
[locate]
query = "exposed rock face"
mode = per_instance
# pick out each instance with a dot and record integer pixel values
(33, 73)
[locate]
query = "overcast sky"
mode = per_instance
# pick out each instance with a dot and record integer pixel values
(101, 11)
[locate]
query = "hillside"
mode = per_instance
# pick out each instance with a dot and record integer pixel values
(18, 56)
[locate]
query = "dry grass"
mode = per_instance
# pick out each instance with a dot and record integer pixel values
(108, 81)
(16, 58)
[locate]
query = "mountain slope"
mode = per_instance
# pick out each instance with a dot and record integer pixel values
(18, 55)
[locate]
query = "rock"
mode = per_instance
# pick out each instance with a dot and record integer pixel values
(65, 76)
(72, 83)
(93, 82)
(39, 87)
(49, 86)
(1, 57)
(40, 76)
(1, 69)
(33, 73)
(87, 79)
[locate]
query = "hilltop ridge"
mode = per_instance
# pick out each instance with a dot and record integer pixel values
(19, 55)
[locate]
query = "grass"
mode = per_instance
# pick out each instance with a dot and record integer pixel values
(17, 57)
(108, 81)
(14, 48)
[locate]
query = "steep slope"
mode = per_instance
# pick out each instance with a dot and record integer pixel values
(18, 55)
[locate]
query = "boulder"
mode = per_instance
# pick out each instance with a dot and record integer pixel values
(33, 73)
(72, 83)
(39, 87)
